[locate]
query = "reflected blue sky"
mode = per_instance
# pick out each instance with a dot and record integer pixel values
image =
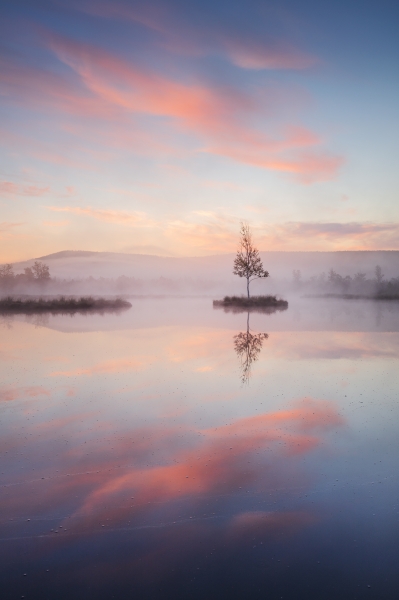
(135, 462)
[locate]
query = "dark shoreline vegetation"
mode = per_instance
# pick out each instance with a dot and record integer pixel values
(256, 303)
(84, 304)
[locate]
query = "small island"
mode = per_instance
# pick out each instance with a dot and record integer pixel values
(248, 264)
(265, 304)
(84, 304)
(252, 302)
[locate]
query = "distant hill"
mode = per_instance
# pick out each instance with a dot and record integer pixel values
(67, 254)
(79, 263)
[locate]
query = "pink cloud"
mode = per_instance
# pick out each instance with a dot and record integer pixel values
(215, 115)
(47, 150)
(216, 119)
(7, 187)
(248, 54)
(332, 236)
(307, 167)
(217, 233)
(109, 216)
(7, 229)
(45, 89)
(207, 232)
(112, 89)
(13, 189)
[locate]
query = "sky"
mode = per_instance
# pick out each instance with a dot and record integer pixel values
(157, 127)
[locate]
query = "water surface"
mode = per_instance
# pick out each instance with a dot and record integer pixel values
(179, 451)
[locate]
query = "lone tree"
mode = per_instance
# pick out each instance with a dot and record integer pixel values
(6, 271)
(6, 276)
(248, 263)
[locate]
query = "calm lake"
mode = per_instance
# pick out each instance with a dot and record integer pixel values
(170, 452)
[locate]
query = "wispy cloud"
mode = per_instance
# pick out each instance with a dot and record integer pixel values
(212, 118)
(332, 236)
(238, 40)
(202, 232)
(214, 232)
(272, 55)
(7, 229)
(9, 188)
(218, 233)
(109, 216)
(214, 114)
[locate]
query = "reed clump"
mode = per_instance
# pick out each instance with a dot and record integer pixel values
(61, 304)
(252, 302)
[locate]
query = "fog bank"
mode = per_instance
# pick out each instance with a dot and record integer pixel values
(77, 272)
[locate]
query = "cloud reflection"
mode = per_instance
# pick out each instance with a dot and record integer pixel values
(14, 393)
(157, 466)
(215, 461)
(163, 493)
(109, 366)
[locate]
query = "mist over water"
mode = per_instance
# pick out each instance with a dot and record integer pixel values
(107, 273)
(140, 458)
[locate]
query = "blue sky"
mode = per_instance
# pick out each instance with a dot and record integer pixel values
(155, 127)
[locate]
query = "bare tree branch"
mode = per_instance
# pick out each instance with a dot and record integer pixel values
(247, 262)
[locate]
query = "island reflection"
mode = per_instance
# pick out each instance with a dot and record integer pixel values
(248, 346)
(233, 308)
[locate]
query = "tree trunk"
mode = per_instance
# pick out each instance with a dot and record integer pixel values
(248, 287)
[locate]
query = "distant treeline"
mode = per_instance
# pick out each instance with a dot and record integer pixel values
(37, 280)
(39, 273)
(358, 284)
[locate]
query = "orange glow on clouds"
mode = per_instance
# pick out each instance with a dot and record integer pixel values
(214, 115)
(103, 110)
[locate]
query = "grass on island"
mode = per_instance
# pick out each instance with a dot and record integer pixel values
(61, 304)
(252, 302)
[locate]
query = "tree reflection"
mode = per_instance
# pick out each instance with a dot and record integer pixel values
(38, 319)
(248, 346)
